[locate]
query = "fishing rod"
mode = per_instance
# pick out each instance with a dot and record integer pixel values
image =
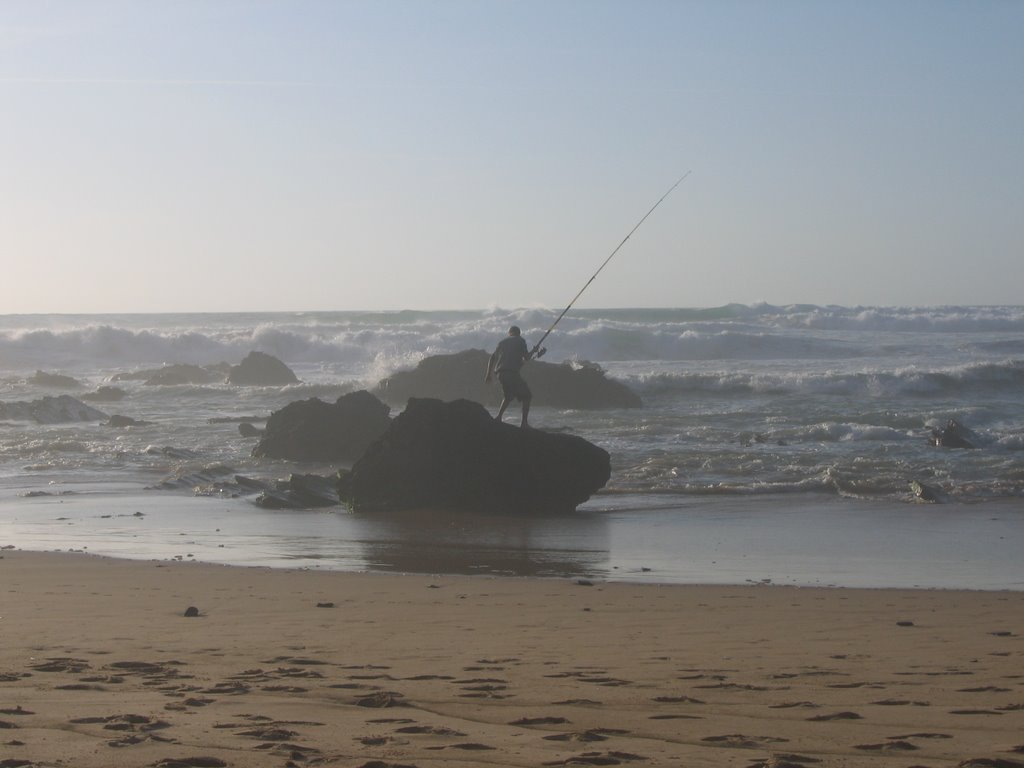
(537, 351)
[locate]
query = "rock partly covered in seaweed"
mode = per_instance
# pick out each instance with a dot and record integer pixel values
(259, 369)
(461, 376)
(51, 410)
(455, 455)
(312, 430)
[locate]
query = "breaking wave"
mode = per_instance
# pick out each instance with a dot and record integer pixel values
(732, 332)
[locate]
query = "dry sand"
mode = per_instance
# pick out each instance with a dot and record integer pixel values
(99, 667)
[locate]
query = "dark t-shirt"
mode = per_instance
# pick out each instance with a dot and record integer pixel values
(510, 354)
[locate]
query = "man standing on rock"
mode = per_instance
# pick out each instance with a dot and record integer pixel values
(506, 361)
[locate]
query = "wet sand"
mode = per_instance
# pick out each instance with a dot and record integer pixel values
(99, 666)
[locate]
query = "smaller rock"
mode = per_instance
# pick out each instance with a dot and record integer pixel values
(261, 370)
(191, 612)
(55, 380)
(245, 429)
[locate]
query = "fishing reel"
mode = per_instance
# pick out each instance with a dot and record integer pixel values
(538, 354)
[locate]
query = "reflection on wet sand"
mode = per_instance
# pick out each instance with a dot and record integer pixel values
(443, 541)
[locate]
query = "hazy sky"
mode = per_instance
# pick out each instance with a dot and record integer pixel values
(211, 155)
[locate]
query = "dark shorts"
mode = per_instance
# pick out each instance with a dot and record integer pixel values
(513, 387)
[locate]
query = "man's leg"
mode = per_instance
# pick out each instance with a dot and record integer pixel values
(501, 408)
(526, 412)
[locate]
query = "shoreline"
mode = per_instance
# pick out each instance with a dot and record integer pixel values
(100, 667)
(812, 541)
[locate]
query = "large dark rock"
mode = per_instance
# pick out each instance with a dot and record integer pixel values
(312, 430)
(259, 369)
(455, 455)
(461, 376)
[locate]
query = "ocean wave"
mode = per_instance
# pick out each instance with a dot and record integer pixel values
(385, 341)
(970, 379)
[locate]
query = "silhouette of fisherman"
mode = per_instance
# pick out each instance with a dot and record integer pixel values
(506, 361)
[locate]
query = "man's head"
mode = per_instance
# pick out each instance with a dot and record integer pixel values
(514, 331)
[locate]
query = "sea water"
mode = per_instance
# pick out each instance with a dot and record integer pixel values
(813, 420)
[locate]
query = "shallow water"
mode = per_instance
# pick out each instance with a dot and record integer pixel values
(819, 541)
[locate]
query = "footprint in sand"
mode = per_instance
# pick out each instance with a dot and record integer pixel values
(63, 664)
(540, 721)
(974, 712)
(141, 723)
(677, 700)
(739, 741)
(900, 703)
(227, 689)
(269, 734)
(888, 746)
(381, 700)
(988, 762)
(373, 741)
(190, 762)
(598, 758)
(835, 716)
(785, 761)
(301, 661)
(294, 752)
(593, 734)
(431, 730)
(429, 677)
(471, 746)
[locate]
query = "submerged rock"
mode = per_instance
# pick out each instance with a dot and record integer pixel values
(300, 492)
(312, 430)
(455, 455)
(51, 410)
(927, 493)
(461, 376)
(105, 395)
(54, 380)
(954, 435)
(170, 375)
(126, 421)
(245, 429)
(261, 370)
